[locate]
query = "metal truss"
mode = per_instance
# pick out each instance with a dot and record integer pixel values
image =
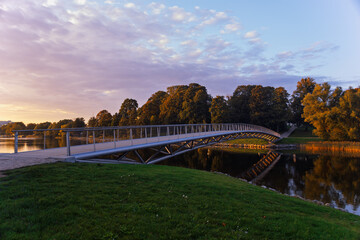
(169, 150)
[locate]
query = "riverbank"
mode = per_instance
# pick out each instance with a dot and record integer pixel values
(93, 201)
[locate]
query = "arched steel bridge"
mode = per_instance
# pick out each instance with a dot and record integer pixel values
(141, 144)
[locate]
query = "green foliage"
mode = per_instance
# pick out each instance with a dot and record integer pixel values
(103, 119)
(261, 105)
(94, 201)
(240, 105)
(172, 105)
(265, 106)
(128, 112)
(195, 106)
(149, 113)
(8, 128)
(321, 109)
(185, 104)
(304, 86)
(281, 109)
(92, 122)
(219, 110)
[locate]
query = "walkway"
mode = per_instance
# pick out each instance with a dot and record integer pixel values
(187, 137)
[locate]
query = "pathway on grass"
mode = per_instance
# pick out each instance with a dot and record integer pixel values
(287, 133)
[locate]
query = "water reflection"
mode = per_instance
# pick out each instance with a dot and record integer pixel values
(330, 179)
(31, 144)
(335, 180)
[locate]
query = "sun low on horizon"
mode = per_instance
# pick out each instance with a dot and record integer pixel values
(73, 58)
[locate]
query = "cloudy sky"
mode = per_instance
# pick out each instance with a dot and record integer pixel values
(64, 59)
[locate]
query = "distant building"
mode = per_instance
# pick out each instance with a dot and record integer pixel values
(4, 122)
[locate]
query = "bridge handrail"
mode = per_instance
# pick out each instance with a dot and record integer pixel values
(177, 130)
(249, 127)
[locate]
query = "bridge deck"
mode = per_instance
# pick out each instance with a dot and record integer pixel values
(87, 150)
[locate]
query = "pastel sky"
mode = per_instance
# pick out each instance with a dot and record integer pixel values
(72, 58)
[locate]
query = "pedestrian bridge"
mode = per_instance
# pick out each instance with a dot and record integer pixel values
(140, 144)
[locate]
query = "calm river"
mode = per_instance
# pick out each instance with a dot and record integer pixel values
(331, 179)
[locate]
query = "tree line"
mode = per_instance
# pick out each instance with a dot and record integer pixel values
(310, 104)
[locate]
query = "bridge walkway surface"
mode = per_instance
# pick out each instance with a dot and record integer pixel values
(186, 137)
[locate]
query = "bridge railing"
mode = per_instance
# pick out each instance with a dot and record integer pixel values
(97, 135)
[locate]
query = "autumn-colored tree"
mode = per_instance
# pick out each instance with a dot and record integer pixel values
(320, 111)
(304, 86)
(149, 113)
(103, 119)
(8, 128)
(219, 110)
(128, 112)
(349, 114)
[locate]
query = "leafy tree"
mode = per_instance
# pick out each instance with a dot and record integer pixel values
(57, 125)
(115, 119)
(172, 105)
(78, 123)
(348, 114)
(239, 104)
(43, 125)
(128, 112)
(149, 113)
(304, 86)
(103, 119)
(219, 110)
(320, 111)
(30, 126)
(195, 106)
(281, 111)
(8, 128)
(92, 122)
(261, 106)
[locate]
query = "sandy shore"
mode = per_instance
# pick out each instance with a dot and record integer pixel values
(10, 161)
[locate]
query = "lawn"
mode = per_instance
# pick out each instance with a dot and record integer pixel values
(248, 141)
(93, 201)
(300, 135)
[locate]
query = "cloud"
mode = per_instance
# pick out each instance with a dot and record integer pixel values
(64, 59)
(180, 15)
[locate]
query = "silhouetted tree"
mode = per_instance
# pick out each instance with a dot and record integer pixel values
(239, 104)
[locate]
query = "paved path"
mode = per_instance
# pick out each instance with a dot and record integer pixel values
(287, 133)
(22, 159)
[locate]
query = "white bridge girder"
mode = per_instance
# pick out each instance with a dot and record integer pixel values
(166, 150)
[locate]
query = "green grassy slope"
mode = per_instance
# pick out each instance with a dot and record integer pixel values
(90, 201)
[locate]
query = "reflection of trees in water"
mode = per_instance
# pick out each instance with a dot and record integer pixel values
(287, 176)
(334, 179)
(214, 160)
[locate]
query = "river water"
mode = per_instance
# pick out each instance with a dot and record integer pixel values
(333, 179)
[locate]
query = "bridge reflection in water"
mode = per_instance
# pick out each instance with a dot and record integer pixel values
(262, 167)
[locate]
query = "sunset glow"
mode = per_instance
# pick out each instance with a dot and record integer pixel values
(67, 59)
